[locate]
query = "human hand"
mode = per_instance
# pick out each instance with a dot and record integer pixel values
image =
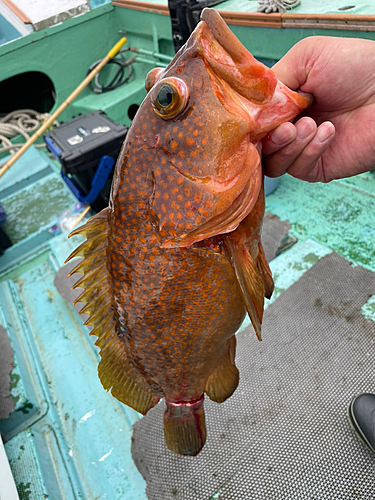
(336, 138)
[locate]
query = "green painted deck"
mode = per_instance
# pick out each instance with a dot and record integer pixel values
(68, 438)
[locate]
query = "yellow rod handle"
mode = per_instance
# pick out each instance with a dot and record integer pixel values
(62, 107)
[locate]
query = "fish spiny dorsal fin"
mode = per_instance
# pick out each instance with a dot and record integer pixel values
(224, 379)
(117, 371)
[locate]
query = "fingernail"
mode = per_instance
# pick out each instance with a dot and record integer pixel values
(282, 136)
(325, 131)
(304, 129)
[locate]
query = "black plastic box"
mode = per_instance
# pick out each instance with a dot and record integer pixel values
(185, 15)
(79, 146)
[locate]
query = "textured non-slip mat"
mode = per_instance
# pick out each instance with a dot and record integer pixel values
(283, 435)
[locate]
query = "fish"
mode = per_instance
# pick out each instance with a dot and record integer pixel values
(175, 262)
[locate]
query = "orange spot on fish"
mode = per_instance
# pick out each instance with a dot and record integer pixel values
(198, 196)
(181, 153)
(180, 180)
(190, 141)
(205, 141)
(165, 196)
(173, 145)
(190, 213)
(163, 208)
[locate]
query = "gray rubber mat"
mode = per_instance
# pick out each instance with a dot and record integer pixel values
(283, 435)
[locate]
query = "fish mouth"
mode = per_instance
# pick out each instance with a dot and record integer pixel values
(232, 61)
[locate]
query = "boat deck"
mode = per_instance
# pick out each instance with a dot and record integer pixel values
(68, 438)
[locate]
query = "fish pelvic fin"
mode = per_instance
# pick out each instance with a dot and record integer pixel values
(117, 372)
(224, 379)
(249, 280)
(185, 427)
(265, 272)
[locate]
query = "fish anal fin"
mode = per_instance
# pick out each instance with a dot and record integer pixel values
(224, 379)
(185, 427)
(249, 280)
(265, 272)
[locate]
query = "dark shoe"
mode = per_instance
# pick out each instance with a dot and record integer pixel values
(361, 416)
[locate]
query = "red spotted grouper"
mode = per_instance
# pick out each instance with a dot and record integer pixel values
(171, 267)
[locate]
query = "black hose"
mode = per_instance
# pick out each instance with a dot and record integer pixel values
(119, 79)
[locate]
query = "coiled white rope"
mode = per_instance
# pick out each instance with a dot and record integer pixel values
(269, 6)
(20, 122)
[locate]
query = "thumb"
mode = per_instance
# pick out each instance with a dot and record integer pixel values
(294, 67)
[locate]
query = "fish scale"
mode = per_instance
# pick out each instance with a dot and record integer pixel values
(174, 263)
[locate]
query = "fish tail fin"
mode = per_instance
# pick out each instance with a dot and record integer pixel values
(224, 379)
(185, 427)
(117, 371)
(249, 280)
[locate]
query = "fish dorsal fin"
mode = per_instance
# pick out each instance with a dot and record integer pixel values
(249, 280)
(117, 371)
(223, 380)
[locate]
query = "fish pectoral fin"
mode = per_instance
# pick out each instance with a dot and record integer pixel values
(265, 272)
(224, 379)
(116, 371)
(119, 375)
(185, 427)
(249, 280)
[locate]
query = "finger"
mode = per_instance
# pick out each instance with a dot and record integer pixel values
(306, 166)
(277, 163)
(279, 138)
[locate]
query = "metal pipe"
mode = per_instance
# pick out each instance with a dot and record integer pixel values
(152, 54)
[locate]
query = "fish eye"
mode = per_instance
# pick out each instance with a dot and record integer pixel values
(169, 97)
